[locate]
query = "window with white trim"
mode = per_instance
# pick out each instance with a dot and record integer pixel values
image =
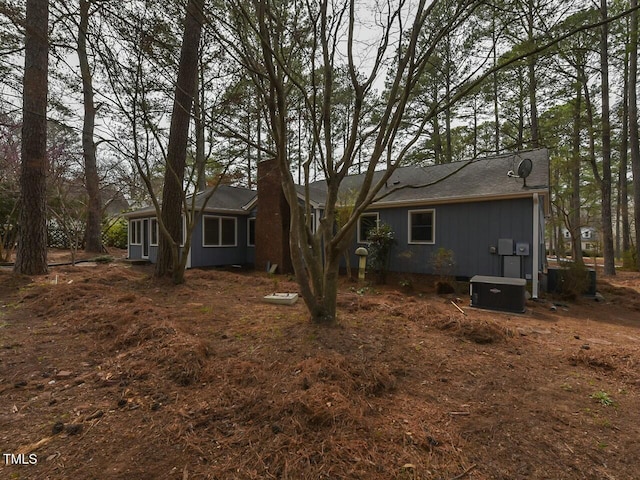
(366, 223)
(153, 232)
(251, 232)
(422, 226)
(135, 232)
(219, 231)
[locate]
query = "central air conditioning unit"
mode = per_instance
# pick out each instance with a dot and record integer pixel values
(498, 293)
(559, 281)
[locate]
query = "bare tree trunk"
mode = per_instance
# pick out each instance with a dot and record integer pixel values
(623, 185)
(437, 142)
(447, 112)
(633, 123)
(198, 120)
(475, 126)
(607, 223)
(494, 78)
(93, 233)
(168, 262)
(535, 129)
(533, 83)
(520, 139)
(31, 256)
(249, 181)
(574, 211)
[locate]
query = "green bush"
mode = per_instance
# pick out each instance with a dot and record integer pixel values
(115, 234)
(443, 263)
(381, 240)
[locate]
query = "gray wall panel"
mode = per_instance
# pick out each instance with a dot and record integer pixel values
(467, 229)
(214, 256)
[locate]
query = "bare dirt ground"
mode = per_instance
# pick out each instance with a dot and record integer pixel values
(106, 374)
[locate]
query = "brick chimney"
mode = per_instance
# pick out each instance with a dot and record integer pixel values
(272, 220)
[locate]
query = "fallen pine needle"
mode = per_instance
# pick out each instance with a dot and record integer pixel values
(26, 449)
(465, 473)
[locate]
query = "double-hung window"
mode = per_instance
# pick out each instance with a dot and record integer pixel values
(366, 223)
(422, 226)
(135, 234)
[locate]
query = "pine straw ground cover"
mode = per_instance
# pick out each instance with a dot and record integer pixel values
(106, 374)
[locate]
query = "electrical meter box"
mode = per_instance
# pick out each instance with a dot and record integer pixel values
(505, 246)
(522, 249)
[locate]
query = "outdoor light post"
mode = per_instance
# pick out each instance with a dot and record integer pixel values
(362, 253)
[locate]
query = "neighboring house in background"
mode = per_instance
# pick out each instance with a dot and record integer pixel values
(482, 210)
(589, 239)
(114, 202)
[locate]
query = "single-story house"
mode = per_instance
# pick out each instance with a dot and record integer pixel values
(489, 212)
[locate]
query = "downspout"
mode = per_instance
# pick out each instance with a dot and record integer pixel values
(536, 246)
(129, 238)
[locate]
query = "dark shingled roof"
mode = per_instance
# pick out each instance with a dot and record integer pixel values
(473, 180)
(225, 199)
(479, 179)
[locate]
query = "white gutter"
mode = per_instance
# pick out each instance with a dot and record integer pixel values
(423, 202)
(536, 245)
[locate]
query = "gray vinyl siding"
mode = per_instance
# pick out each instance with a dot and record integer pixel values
(542, 261)
(153, 254)
(217, 256)
(135, 252)
(209, 256)
(468, 229)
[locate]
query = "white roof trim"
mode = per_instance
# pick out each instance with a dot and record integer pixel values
(466, 199)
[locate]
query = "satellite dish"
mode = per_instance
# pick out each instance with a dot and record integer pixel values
(524, 169)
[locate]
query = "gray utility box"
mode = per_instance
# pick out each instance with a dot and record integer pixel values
(498, 293)
(511, 266)
(505, 246)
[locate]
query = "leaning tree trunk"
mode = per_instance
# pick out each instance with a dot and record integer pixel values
(199, 120)
(168, 262)
(31, 256)
(93, 233)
